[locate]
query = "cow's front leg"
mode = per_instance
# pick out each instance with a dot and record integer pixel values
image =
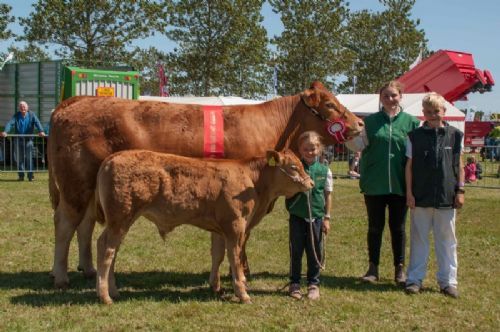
(234, 243)
(218, 250)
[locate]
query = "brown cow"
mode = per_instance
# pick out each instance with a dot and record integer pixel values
(85, 130)
(228, 197)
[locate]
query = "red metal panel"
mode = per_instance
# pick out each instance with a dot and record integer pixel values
(449, 73)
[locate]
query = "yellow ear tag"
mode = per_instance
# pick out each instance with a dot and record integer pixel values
(271, 162)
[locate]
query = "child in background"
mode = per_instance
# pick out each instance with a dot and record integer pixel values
(479, 171)
(354, 165)
(309, 215)
(470, 170)
(434, 190)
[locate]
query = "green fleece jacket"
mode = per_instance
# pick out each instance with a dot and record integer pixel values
(383, 160)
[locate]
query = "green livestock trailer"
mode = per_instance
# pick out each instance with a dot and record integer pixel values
(46, 83)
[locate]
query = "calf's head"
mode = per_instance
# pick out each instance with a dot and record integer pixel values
(288, 174)
(337, 122)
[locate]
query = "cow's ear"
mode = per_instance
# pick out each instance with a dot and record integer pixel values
(311, 97)
(273, 158)
(317, 85)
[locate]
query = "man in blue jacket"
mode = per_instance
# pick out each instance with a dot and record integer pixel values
(24, 123)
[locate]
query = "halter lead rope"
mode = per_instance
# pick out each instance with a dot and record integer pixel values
(321, 263)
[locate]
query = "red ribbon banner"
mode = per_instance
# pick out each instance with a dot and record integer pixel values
(213, 144)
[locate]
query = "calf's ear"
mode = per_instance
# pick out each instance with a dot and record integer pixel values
(273, 158)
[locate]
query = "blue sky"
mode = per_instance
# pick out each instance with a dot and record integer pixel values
(459, 25)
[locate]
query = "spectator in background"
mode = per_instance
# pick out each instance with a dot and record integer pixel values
(354, 165)
(470, 170)
(24, 123)
(479, 171)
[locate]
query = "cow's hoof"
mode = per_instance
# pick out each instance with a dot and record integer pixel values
(106, 300)
(246, 300)
(61, 284)
(221, 292)
(89, 273)
(115, 294)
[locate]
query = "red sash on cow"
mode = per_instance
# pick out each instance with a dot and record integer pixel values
(213, 144)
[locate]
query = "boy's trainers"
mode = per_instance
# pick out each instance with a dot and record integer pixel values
(313, 292)
(294, 291)
(412, 289)
(450, 291)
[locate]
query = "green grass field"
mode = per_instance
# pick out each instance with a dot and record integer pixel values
(164, 284)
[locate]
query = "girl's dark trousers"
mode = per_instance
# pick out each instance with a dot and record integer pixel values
(376, 207)
(300, 240)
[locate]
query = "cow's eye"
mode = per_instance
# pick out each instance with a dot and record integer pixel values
(330, 105)
(294, 167)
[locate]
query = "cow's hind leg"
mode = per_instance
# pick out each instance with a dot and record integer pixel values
(107, 245)
(65, 225)
(218, 250)
(84, 235)
(234, 243)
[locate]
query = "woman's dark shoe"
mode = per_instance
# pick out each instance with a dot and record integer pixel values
(371, 275)
(399, 275)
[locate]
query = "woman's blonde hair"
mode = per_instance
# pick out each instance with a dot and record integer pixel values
(392, 84)
(311, 136)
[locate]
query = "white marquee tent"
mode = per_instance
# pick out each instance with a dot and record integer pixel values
(360, 104)
(363, 105)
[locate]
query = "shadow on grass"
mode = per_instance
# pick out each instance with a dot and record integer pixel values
(332, 282)
(155, 286)
(356, 284)
(151, 285)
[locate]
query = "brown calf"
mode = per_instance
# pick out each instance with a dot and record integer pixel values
(227, 197)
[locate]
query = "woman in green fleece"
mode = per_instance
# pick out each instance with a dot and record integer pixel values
(382, 177)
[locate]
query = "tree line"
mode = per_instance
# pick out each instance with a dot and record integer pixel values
(222, 47)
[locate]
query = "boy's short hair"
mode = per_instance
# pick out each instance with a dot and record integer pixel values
(434, 100)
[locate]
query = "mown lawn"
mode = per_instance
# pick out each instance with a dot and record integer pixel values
(164, 284)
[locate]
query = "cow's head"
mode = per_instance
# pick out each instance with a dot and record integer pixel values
(339, 124)
(289, 176)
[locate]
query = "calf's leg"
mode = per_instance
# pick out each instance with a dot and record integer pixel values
(107, 244)
(234, 243)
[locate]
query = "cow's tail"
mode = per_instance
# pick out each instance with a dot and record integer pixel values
(53, 189)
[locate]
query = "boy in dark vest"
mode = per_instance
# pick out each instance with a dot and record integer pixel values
(435, 188)
(309, 218)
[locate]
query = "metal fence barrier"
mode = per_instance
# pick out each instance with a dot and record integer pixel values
(23, 153)
(488, 158)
